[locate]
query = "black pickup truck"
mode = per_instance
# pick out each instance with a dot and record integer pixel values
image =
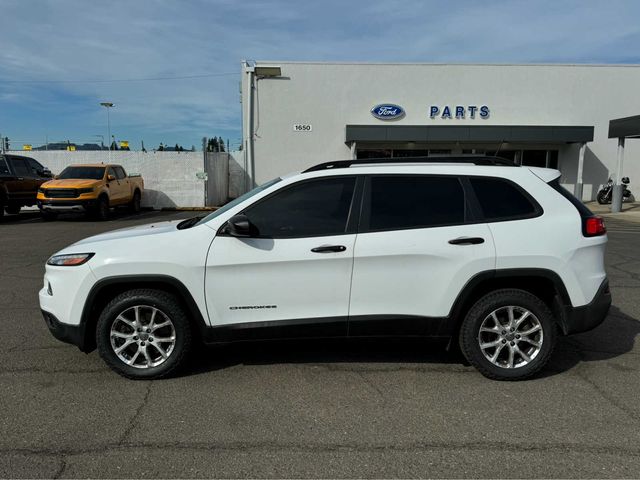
(20, 178)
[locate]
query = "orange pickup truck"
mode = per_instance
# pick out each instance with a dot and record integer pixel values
(92, 189)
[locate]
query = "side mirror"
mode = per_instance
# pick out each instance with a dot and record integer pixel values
(56, 177)
(46, 173)
(111, 178)
(239, 226)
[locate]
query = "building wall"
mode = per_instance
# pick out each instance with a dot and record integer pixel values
(330, 96)
(169, 177)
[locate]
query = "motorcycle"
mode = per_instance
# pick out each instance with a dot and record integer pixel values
(605, 192)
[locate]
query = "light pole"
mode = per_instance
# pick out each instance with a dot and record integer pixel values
(108, 105)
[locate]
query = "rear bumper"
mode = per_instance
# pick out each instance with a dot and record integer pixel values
(587, 317)
(73, 334)
(66, 205)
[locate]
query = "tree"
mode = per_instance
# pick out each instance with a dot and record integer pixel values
(161, 147)
(193, 148)
(220, 144)
(176, 148)
(114, 145)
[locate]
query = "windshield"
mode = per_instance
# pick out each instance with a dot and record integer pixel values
(239, 200)
(83, 173)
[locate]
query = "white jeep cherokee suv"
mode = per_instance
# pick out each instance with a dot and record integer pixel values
(496, 256)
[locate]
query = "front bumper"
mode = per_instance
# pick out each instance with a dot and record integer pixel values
(73, 334)
(62, 300)
(587, 317)
(66, 205)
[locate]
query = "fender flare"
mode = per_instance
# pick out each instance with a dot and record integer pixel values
(88, 318)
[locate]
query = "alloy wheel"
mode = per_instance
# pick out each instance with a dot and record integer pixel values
(510, 337)
(143, 336)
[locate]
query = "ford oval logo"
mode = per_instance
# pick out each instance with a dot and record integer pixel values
(387, 111)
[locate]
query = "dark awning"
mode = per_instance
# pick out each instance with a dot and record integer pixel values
(625, 127)
(468, 133)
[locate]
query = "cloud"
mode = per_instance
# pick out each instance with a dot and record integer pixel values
(127, 39)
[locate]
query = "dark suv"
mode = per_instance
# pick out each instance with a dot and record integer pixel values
(20, 178)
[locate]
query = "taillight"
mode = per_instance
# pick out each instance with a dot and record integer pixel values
(594, 226)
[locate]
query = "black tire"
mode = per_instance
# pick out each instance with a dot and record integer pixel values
(102, 208)
(471, 337)
(602, 198)
(13, 209)
(48, 216)
(134, 206)
(145, 298)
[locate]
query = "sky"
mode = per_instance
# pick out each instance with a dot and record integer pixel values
(172, 67)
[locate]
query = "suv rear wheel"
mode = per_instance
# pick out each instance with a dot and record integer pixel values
(144, 334)
(508, 335)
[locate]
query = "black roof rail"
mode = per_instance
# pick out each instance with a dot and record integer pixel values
(474, 159)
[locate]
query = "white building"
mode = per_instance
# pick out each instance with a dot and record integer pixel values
(299, 114)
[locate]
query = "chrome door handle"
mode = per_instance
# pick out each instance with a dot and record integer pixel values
(466, 241)
(329, 248)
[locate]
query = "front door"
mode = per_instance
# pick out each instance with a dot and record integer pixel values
(293, 278)
(116, 188)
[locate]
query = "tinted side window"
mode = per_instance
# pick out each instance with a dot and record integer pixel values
(111, 171)
(34, 166)
(308, 209)
(19, 167)
(399, 202)
(501, 200)
(120, 173)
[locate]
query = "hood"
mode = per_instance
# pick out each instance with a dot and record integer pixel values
(139, 231)
(71, 183)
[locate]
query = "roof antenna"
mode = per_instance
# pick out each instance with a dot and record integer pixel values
(499, 147)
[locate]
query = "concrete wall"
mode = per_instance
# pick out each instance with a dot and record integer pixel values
(237, 174)
(169, 177)
(330, 96)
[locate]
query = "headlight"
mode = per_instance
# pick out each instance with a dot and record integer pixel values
(70, 260)
(84, 190)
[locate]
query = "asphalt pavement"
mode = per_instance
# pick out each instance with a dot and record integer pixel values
(314, 409)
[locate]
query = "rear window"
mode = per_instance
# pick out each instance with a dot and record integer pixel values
(502, 200)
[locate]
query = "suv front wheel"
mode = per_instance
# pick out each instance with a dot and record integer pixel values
(144, 334)
(508, 335)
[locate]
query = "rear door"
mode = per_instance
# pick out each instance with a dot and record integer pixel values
(417, 246)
